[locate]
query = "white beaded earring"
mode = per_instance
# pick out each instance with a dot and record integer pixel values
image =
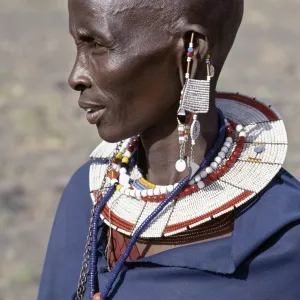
(194, 100)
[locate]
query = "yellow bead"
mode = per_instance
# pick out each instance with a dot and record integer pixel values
(119, 186)
(119, 155)
(187, 132)
(125, 160)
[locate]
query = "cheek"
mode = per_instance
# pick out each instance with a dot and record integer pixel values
(140, 90)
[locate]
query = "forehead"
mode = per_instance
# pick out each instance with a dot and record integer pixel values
(125, 13)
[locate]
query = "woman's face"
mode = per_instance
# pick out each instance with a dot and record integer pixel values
(126, 65)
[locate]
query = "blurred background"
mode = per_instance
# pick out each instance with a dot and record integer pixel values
(45, 137)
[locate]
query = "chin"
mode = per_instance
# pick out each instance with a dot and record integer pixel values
(112, 134)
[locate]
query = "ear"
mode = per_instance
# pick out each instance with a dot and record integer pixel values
(201, 46)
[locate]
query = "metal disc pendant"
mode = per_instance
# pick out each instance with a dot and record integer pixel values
(195, 130)
(180, 165)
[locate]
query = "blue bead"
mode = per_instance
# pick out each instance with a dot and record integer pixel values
(190, 49)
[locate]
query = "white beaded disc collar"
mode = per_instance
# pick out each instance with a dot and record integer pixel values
(262, 157)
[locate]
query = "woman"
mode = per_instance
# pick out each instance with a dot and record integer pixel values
(187, 193)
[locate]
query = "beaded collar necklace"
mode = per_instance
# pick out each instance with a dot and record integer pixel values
(254, 148)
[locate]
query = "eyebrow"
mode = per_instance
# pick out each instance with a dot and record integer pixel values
(85, 35)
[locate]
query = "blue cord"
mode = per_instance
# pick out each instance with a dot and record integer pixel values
(93, 257)
(119, 264)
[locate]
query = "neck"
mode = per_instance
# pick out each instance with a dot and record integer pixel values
(161, 147)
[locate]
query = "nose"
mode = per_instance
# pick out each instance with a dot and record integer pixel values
(79, 78)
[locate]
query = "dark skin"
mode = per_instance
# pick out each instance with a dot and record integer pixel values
(130, 60)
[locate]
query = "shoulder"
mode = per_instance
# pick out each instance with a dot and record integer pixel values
(68, 237)
(275, 212)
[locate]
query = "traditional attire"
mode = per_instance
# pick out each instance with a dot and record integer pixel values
(259, 261)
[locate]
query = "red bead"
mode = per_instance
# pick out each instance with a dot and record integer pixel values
(235, 154)
(130, 148)
(116, 160)
(134, 144)
(233, 159)
(219, 173)
(161, 197)
(194, 188)
(181, 195)
(229, 129)
(213, 177)
(206, 181)
(154, 198)
(190, 54)
(229, 163)
(239, 149)
(231, 135)
(224, 169)
(187, 191)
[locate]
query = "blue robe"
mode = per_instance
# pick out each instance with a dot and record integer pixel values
(259, 261)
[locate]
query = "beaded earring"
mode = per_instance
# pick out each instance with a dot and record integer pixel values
(194, 100)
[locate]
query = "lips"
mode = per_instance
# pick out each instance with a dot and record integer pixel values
(94, 111)
(94, 115)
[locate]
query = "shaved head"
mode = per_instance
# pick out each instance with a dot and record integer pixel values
(131, 56)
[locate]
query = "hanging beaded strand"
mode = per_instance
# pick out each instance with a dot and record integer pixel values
(184, 126)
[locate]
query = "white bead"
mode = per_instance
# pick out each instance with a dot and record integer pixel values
(170, 188)
(191, 182)
(175, 185)
(138, 193)
(203, 174)
(209, 170)
(132, 193)
(116, 167)
(243, 133)
(123, 171)
(144, 193)
(181, 138)
(124, 179)
(163, 189)
(227, 144)
(180, 165)
(239, 128)
(114, 181)
(123, 149)
(224, 149)
(229, 139)
(127, 192)
(127, 154)
(197, 178)
(218, 159)
(122, 190)
(214, 165)
(156, 191)
(201, 185)
(222, 154)
(150, 192)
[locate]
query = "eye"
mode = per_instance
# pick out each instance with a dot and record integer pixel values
(95, 45)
